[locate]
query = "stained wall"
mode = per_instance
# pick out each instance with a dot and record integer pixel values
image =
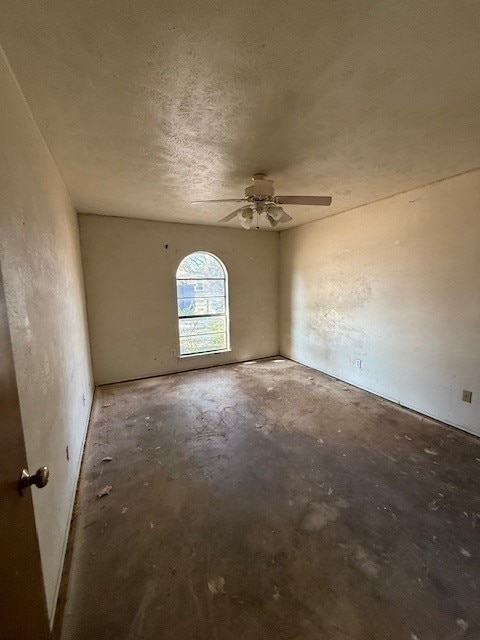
(396, 285)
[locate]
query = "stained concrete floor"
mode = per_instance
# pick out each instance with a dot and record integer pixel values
(268, 501)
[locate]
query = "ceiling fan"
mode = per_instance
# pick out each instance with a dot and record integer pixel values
(262, 201)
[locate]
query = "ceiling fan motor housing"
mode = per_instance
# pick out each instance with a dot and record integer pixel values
(261, 187)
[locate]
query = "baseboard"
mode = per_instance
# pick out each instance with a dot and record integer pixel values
(385, 397)
(174, 371)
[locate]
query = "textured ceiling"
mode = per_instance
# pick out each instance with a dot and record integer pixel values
(147, 105)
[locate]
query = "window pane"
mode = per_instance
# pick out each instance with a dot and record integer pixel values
(203, 343)
(200, 306)
(200, 288)
(196, 326)
(200, 265)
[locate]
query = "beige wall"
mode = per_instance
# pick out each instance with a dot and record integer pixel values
(39, 251)
(131, 296)
(396, 284)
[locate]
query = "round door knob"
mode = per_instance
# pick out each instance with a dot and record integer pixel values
(39, 479)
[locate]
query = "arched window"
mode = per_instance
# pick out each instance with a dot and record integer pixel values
(202, 302)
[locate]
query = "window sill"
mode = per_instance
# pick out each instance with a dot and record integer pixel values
(204, 353)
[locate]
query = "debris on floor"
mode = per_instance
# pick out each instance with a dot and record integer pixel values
(462, 624)
(216, 585)
(107, 459)
(105, 491)
(255, 520)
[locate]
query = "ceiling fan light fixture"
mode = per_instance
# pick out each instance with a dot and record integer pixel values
(275, 211)
(246, 218)
(272, 221)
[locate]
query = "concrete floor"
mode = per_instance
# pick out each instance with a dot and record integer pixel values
(268, 501)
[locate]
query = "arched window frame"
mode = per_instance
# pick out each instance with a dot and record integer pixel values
(204, 312)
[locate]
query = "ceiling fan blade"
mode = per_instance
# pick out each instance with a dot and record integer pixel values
(285, 217)
(209, 201)
(233, 214)
(309, 200)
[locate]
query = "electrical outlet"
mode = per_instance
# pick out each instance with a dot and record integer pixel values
(173, 352)
(466, 396)
(358, 363)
